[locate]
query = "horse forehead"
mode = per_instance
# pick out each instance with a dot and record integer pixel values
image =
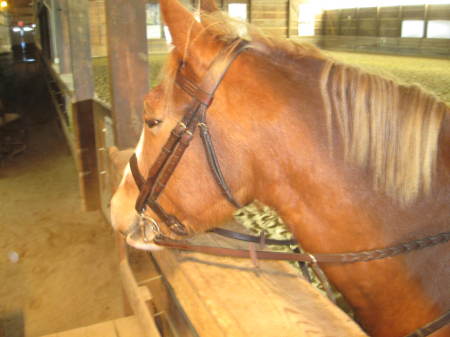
(154, 96)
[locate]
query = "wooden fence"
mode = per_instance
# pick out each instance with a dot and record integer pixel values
(379, 29)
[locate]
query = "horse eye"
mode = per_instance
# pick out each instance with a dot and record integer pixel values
(153, 122)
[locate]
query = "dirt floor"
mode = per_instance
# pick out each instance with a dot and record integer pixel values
(58, 267)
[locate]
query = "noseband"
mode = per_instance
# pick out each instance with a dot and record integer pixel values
(180, 138)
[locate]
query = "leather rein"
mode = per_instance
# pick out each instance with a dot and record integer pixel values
(168, 159)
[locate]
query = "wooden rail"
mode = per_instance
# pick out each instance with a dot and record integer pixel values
(230, 297)
(138, 297)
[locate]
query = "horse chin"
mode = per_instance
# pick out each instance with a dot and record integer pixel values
(135, 240)
(141, 245)
(142, 238)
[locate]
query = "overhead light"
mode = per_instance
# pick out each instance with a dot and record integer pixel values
(3, 4)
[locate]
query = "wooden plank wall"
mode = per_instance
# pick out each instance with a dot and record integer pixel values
(379, 30)
(271, 16)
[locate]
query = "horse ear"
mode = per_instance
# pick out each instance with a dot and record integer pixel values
(183, 26)
(208, 6)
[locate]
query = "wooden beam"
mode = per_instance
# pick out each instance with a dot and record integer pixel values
(83, 113)
(128, 67)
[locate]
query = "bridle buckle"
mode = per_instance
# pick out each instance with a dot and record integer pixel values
(148, 224)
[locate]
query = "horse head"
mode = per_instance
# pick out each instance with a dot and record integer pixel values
(192, 193)
(350, 161)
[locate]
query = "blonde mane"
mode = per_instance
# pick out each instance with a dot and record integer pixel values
(390, 129)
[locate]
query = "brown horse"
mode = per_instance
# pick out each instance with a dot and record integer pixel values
(351, 161)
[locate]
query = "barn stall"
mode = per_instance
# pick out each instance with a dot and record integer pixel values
(98, 76)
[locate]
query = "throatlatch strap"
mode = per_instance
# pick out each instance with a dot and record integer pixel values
(215, 166)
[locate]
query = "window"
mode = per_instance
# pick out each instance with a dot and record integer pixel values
(412, 28)
(153, 21)
(238, 11)
(438, 29)
(306, 19)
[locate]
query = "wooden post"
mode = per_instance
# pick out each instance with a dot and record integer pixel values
(339, 32)
(358, 21)
(425, 21)
(249, 10)
(128, 67)
(59, 47)
(289, 18)
(83, 114)
(138, 298)
(378, 23)
(63, 34)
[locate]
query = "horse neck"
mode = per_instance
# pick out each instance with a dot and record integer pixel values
(331, 207)
(327, 218)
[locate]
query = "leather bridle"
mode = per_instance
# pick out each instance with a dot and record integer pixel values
(180, 138)
(150, 188)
